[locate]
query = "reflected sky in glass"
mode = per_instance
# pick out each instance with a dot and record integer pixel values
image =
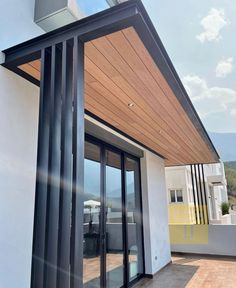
(92, 171)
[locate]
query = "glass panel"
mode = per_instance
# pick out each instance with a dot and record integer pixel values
(135, 258)
(179, 195)
(92, 198)
(172, 196)
(114, 231)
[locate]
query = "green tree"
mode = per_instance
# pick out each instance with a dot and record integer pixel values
(230, 174)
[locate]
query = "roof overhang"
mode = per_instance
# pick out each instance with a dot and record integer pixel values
(130, 82)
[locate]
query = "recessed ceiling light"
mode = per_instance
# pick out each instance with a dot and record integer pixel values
(131, 104)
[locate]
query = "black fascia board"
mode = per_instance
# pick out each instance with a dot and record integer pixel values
(128, 14)
(97, 25)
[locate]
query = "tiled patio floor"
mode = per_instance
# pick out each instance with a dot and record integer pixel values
(92, 267)
(194, 272)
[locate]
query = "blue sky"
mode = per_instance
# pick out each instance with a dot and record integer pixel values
(199, 38)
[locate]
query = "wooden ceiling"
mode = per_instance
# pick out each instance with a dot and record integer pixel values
(124, 87)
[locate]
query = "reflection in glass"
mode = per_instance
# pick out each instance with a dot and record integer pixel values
(114, 231)
(172, 196)
(105, 238)
(133, 219)
(179, 195)
(92, 201)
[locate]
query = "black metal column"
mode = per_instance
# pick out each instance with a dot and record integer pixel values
(41, 194)
(197, 194)
(200, 194)
(103, 217)
(58, 222)
(124, 220)
(204, 195)
(53, 191)
(66, 169)
(194, 195)
(78, 165)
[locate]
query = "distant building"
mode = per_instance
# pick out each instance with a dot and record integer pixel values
(195, 193)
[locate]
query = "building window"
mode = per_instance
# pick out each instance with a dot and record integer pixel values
(176, 195)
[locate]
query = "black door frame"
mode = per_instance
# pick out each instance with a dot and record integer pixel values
(124, 155)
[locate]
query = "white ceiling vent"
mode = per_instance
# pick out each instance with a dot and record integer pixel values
(52, 14)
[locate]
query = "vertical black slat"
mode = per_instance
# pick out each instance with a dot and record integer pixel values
(194, 196)
(137, 192)
(197, 195)
(78, 165)
(205, 194)
(141, 213)
(66, 170)
(201, 196)
(54, 171)
(37, 274)
(103, 220)
(124, 220)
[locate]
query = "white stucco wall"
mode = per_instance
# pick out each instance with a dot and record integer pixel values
(176, 178)
(155, 217)
(17, 22)
(18, 141)
(221, 241)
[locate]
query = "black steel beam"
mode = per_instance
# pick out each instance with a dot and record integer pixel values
(89, 28)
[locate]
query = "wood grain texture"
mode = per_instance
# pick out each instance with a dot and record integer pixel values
(119, 71)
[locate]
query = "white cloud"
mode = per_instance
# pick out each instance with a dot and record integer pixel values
(233, 112)
(212, 24)
(224, 67)
(209, 100)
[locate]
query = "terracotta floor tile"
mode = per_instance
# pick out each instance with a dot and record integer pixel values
(195, 272)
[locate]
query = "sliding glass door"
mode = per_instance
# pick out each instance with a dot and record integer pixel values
(134, 219)
(92, 211)
(113, 249)
(114, 222)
